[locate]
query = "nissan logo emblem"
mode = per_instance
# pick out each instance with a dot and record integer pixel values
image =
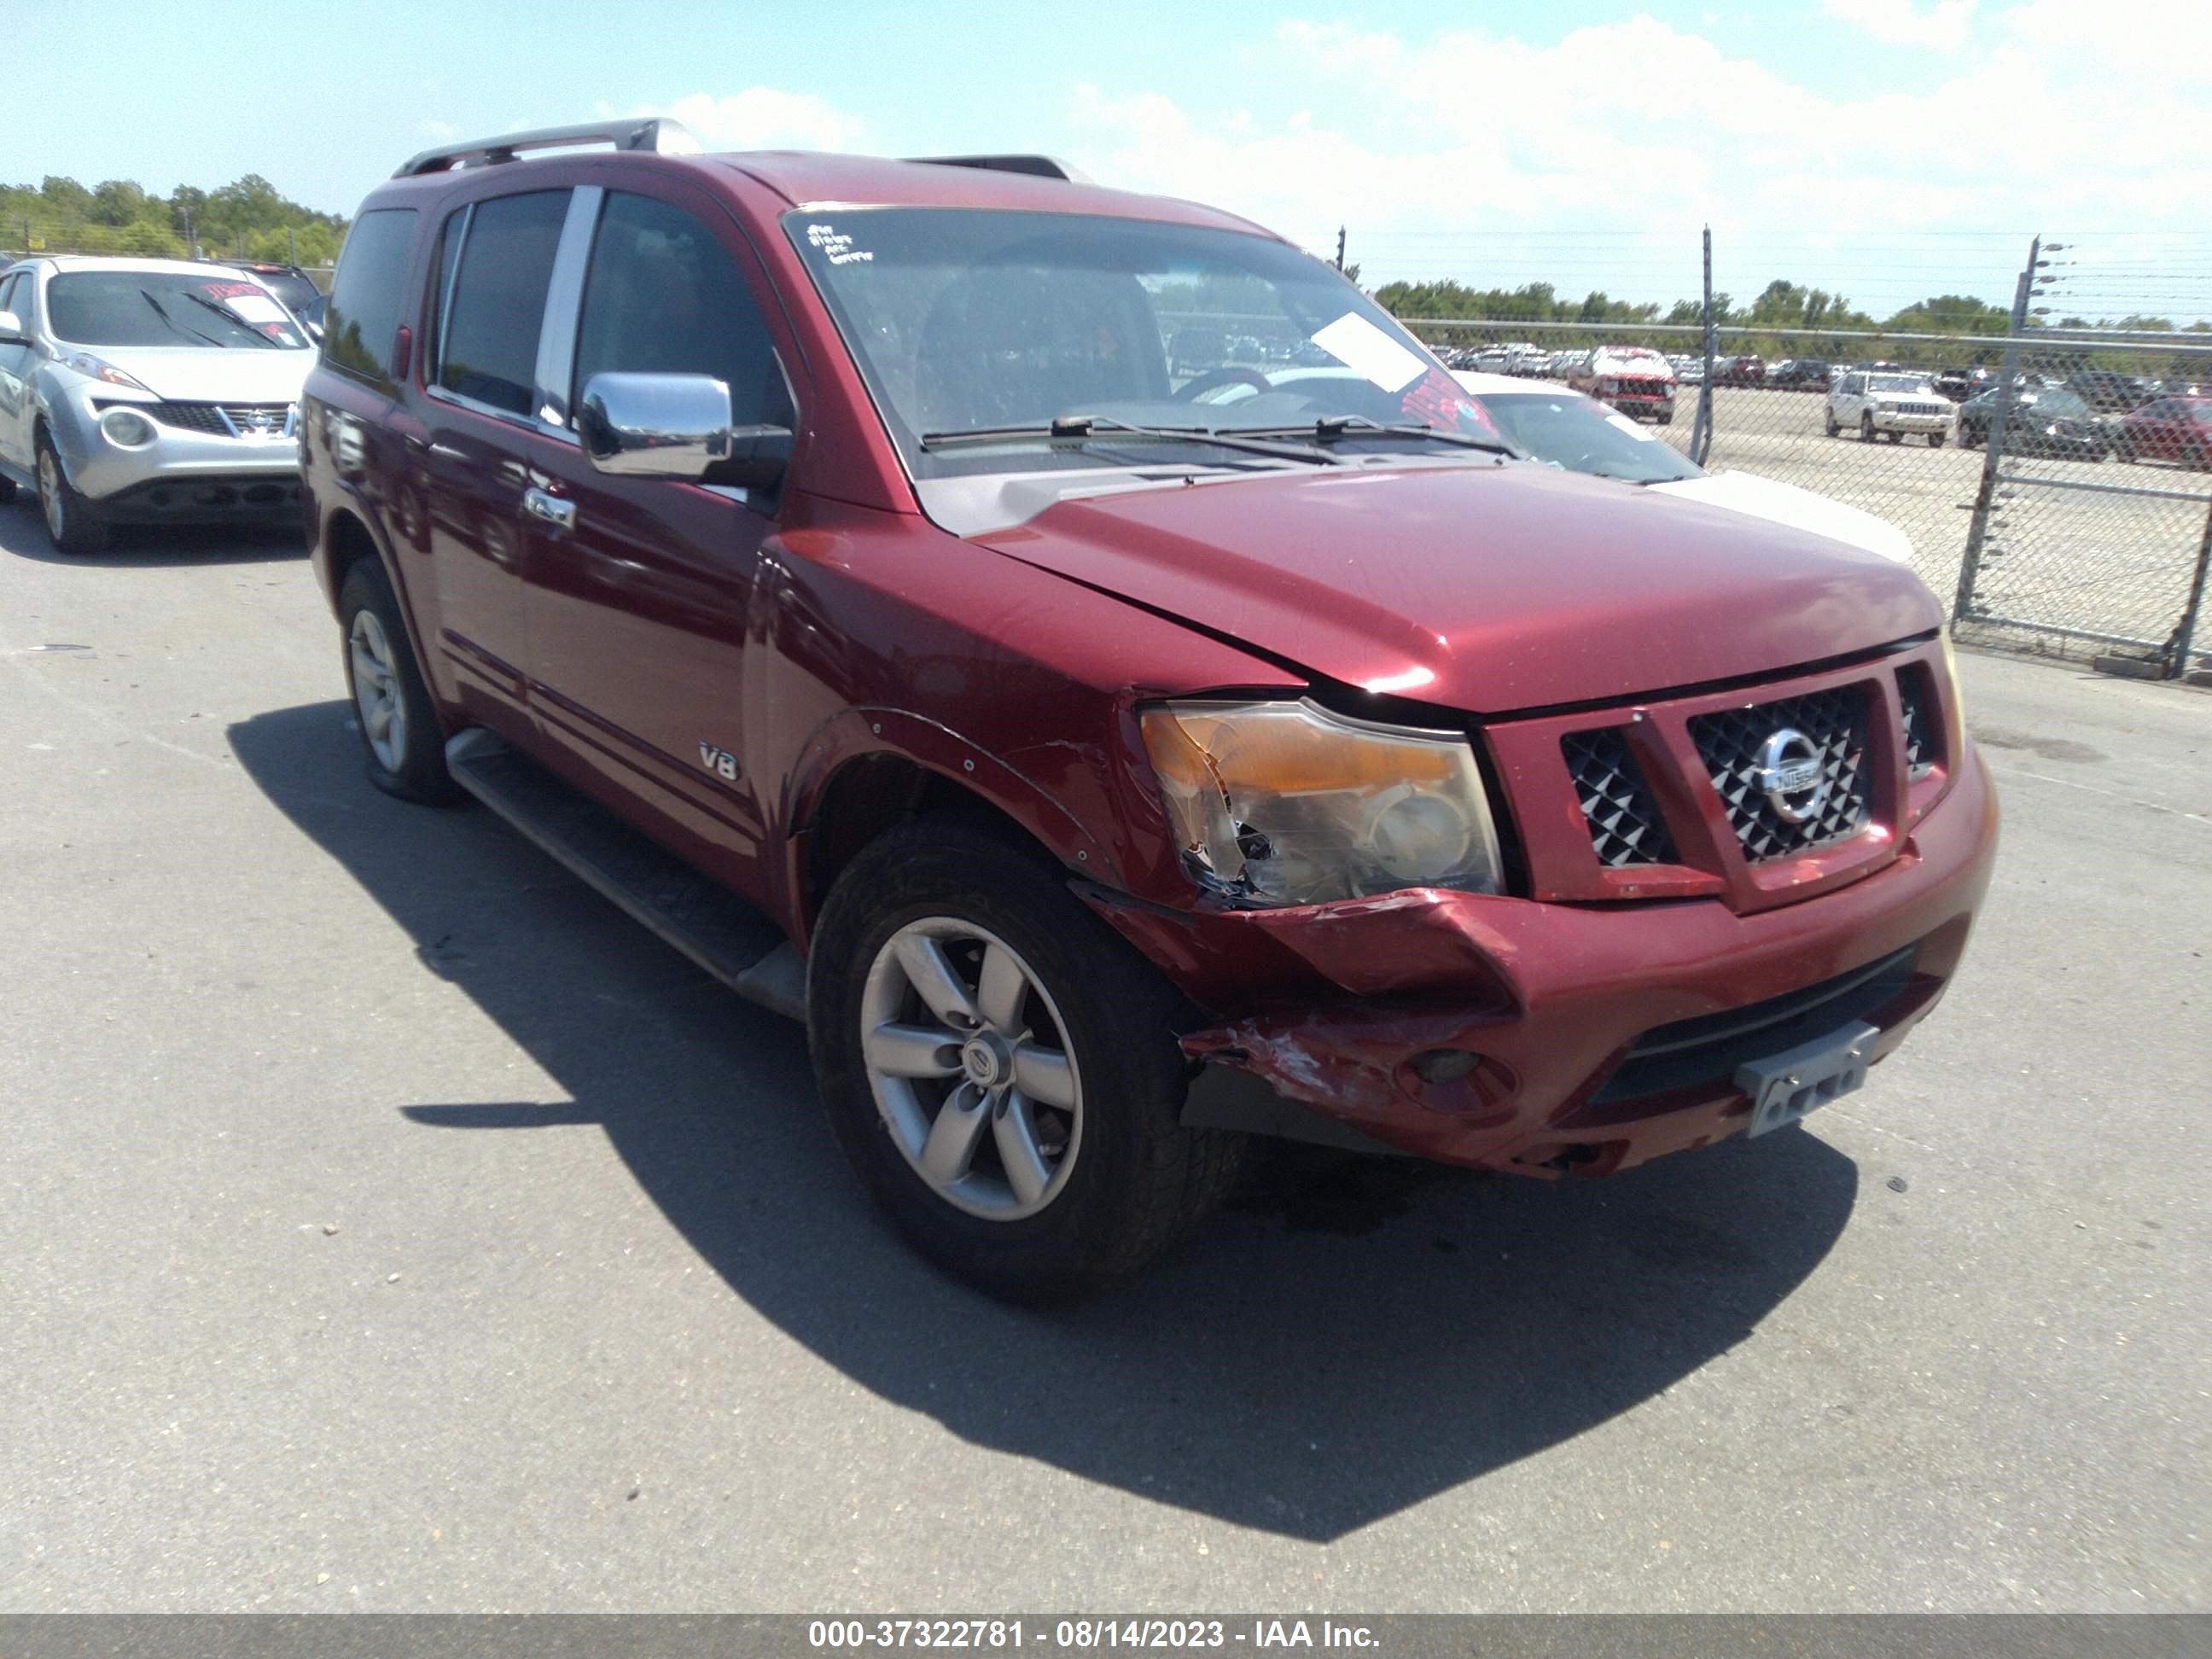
(1790, 773)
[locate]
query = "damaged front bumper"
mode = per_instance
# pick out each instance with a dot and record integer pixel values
(1503, 1033)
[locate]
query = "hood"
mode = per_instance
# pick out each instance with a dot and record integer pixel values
(1486, 588)
(1801, 509)
(206, 374)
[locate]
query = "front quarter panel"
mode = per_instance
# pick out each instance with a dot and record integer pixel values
(879, 634)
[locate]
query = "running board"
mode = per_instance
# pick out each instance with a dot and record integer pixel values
(728, 936)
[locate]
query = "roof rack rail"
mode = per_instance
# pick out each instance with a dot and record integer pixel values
(1040, 166)
(656, 133)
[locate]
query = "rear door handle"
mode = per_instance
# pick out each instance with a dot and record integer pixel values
(550, 509)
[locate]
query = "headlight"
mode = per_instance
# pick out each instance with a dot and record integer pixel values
(1955, 735)
(100, 369)
(1289, 804)
(127, 427)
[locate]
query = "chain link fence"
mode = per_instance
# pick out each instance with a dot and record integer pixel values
(2056, 488)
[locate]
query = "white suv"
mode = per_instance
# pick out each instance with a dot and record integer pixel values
(1875, 400)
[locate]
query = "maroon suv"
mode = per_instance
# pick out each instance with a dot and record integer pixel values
(833, 561)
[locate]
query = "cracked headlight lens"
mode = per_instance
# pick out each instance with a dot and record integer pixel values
(1291, 804)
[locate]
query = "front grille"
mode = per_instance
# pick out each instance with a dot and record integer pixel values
(1919, 742)
(1625, 823)
(1916, 409)
(222, 419)
(189, 417)
(1729, 743)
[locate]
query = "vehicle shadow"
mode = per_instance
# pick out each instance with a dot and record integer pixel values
(1354, 1336)
(143, 547)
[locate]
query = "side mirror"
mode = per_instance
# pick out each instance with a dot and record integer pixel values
(676, 426)
(11, 329)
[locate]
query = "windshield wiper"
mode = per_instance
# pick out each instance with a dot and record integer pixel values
(146, 296)
(1331, 427)
(1085, 428)
(230, 317)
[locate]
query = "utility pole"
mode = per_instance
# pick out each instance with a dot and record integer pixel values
(1701, 429)
(1339, 248)
(1978, 527)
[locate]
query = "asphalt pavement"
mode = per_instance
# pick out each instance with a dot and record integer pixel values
(388, 1224)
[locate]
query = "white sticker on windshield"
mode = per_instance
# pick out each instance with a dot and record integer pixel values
(1366, 349)
(255, 308)
(836, 245)
(1642, 434)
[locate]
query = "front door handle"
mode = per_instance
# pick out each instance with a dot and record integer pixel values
(550, 509)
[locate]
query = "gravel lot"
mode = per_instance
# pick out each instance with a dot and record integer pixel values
(2083, 559)
(391, 1225)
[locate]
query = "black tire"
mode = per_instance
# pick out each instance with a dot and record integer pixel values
(1866, 428)
(1894, 437)
(7, 489)
(1140, 1181)
(1935, 440)
(418, 771)
(1834, 430)
(1968, 437)
(73, 524)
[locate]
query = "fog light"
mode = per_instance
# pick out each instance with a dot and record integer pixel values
(127, 427)
(1445, 1064)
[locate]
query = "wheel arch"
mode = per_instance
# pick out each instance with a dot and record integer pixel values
(891, 768)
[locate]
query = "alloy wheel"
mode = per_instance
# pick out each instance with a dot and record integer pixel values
(376, 690)
(967, 1056)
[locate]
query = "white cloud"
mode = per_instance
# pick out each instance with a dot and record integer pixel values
(761, 118)
(1610, 148)
(1944, 26)
(438, 132)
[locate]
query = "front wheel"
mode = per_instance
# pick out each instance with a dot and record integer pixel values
(1935, 440)
(1866, 428)
(402, 743)
(73, 524)
(1001, 1070)
(1833, 429)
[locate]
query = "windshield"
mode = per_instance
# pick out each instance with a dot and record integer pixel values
(2058, 401)
(1582, 435)
(167, 308)
(1897, 383)
(967, 321)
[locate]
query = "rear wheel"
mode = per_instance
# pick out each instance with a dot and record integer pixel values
(1002, 1069)
(402, 744)
(1894, 437)
(73, 524)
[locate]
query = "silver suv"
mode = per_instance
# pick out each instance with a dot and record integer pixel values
(147, 391)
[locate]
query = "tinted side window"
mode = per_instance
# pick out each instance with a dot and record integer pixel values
(366, 300)
(489, 346)
(8, 286)
(662, 297)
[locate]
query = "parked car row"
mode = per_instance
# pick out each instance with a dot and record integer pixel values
(1107, 753)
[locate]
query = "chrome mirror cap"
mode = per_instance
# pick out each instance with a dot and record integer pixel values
(654, 425)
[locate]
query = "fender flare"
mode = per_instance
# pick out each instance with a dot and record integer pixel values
(860, 731)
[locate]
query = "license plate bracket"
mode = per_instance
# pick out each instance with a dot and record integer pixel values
(1783, 1088)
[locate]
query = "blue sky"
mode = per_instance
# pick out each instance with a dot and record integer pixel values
(1881, 147)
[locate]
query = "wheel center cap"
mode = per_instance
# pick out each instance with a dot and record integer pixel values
(987, 1061)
